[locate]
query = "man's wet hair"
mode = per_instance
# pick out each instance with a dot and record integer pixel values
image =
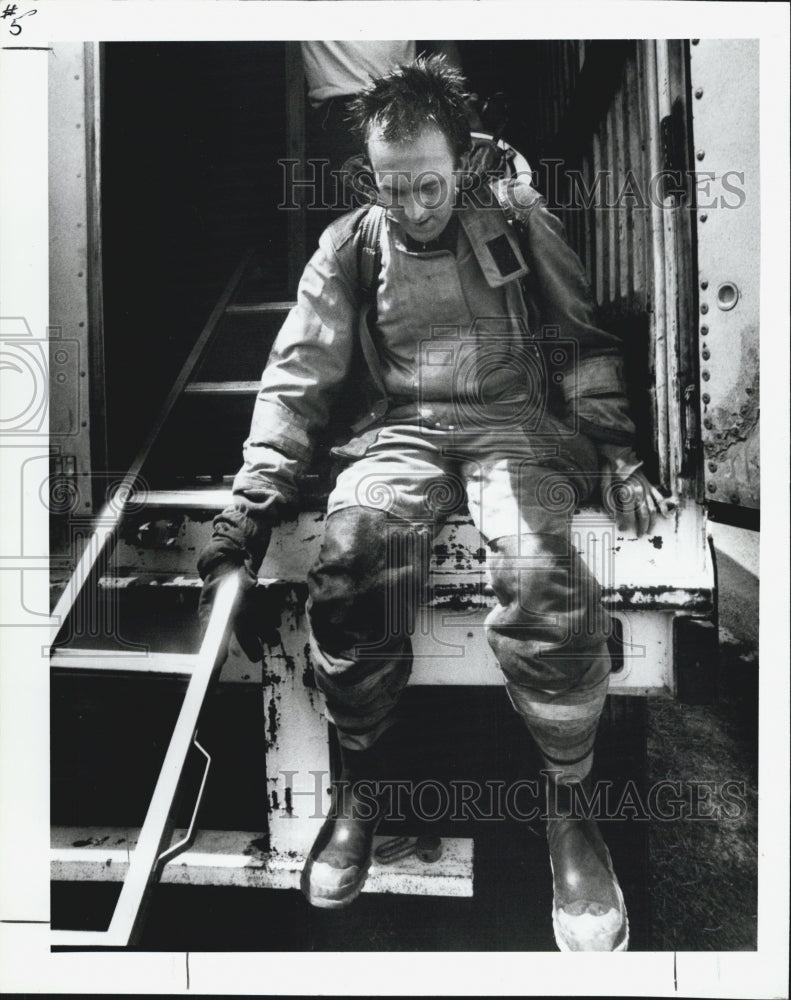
(424, 93)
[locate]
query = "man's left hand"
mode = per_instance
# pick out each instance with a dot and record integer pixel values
(633, 501)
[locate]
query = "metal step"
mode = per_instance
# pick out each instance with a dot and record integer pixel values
(144, 662)
(258, 308)
(222, 388)
(237, 858)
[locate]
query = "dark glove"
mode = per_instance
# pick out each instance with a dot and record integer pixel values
(216, 561)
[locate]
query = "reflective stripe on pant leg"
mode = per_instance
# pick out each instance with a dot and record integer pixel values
(565, 728)
(549, 635)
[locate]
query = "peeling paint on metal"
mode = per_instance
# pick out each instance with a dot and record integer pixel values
(308, 672)
(273, 722)
(659, 597)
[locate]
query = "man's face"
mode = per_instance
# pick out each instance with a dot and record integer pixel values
(416, 181)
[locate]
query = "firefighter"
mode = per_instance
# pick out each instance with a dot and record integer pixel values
(469, 277)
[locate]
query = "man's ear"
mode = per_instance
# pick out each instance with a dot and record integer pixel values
(359, 181)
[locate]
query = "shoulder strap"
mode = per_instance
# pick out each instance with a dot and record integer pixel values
(369, 252)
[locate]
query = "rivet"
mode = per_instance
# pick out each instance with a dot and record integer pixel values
(712, 487)
(704, 308)
(695, 41)
(735, 498)
(699, 93)
(700, 154)
(705, 376)
(82, 374)
(706, 397)
(79, 274)
(704, 284)
(84, 423)
(704, 330)
(706, 355)
(81, 323)
(707, 424)
(703, 217)
(712, 466)
(727, 295)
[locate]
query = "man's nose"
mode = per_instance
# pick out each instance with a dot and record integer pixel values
(415, 210)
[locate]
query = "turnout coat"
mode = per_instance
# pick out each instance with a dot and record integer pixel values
(326, 350)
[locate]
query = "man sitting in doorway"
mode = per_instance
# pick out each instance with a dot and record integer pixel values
(482, 271)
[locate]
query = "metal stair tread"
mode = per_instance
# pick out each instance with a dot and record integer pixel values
(242, 308)
(222, 388)
(234, 857)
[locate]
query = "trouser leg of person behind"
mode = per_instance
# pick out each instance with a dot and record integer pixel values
(549, 635)
(363, 590)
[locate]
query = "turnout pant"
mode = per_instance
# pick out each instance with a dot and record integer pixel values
(548, 630)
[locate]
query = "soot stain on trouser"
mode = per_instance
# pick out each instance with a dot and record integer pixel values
(364, 590)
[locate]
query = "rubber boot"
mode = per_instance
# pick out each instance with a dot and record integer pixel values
(338, 863)
(588, 910)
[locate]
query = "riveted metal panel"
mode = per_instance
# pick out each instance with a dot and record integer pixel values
(726, 137)
(76, 366)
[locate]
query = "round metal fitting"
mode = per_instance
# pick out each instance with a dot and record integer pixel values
(704, 284)
(695, 41)
(699, 93)
(712, 487)
(703, 217)
(735, 498)
(706, 397)
(700, 154)
(707, 424)
(706, 355)
(704, 330)
(704, 308)
(712, 466)
(727, 295)
(705, 376)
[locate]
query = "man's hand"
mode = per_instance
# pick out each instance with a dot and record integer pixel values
(633, 501)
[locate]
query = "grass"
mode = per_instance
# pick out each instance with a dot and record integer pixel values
(703, 873)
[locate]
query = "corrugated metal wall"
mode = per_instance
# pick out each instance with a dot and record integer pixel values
(609, 117)
(591, 191)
